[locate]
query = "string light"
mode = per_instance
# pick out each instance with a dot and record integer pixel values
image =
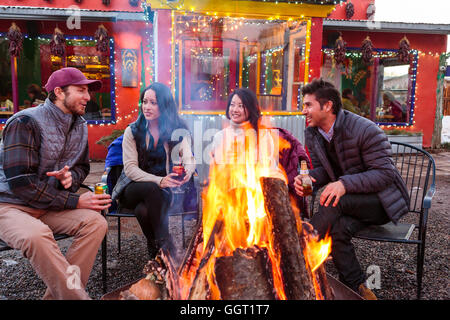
(355, 54)
(186, 25)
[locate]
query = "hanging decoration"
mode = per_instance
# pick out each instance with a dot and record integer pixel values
(367, 50)
(58, 43)
(106, 2)
(134, 3)
(403, 53)
(370, 12)
(101, 39)
(15, 40)
(349, 10)
(78, 1)
(339, 50)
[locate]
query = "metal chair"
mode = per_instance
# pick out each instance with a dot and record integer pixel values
(120, 212)
(416, 167)
(5, 247)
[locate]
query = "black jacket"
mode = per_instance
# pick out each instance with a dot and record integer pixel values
(364, 154)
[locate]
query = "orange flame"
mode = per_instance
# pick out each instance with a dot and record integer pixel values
(318, 251)
(234, 196)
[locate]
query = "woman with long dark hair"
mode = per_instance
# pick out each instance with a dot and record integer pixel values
(246, 139)
(148, 151)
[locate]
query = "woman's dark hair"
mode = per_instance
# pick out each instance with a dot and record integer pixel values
(250, 103)
(324, 92)
(169, 120)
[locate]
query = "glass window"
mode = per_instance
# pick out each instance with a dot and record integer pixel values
(6, 100)
(382, 91)
(215, 55)
(36, 63)
(297, 59)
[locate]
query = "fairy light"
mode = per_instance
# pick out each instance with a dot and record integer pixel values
(354, 53)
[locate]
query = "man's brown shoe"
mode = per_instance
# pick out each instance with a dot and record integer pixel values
(366, 293)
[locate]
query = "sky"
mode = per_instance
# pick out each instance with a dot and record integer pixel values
(425, 11)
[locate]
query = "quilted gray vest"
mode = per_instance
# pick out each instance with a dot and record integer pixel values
(62, 143)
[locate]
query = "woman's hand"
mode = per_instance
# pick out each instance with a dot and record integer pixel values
(186, 178)
(170, 182)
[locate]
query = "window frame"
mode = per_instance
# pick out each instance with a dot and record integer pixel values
(113, 119)
(376, 95)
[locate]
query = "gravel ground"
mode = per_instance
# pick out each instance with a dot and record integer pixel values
(397, 262)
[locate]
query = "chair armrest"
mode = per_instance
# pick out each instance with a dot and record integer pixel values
(429, 197)
(90, 188)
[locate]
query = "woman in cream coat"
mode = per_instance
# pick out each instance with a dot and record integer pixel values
(151, 145)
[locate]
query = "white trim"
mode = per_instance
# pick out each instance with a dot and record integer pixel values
(155, 43)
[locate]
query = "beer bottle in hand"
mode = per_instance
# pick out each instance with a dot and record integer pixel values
(306, 179)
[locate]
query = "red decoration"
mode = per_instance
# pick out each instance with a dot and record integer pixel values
(366, 50)
(349, 10)
(15, 40)
(101, 38)
(339, 50)
(403, 53)
(106, 2)
(58, 44)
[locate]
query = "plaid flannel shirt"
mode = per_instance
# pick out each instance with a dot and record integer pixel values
(21, 139)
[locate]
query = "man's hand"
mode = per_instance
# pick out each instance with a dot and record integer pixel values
(63, 175)
(298, 184)
(332, 190)
(90, 200)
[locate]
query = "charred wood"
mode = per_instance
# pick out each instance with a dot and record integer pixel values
(246, 275)
(296, 280)
(200, 288)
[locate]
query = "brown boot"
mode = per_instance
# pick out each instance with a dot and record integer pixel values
(366, 293)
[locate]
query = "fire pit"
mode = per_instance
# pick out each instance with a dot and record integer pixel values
(250, 245)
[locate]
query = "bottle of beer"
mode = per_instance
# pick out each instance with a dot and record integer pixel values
(306, 179)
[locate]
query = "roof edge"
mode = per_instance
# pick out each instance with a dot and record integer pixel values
(385, 26)
(39, 13)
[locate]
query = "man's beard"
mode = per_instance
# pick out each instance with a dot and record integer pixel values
(72, 108)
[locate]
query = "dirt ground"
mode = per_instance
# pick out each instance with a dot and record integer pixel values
(396, 262)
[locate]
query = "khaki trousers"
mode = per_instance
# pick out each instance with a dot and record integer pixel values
(31, 231)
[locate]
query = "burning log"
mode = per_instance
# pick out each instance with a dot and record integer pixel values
(296, 280)
(319, 276)
(200, 289)
(325, 288)
(247, 274)
(194, 245)
(172, 281)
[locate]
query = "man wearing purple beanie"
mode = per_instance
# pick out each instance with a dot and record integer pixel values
(44, 158)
